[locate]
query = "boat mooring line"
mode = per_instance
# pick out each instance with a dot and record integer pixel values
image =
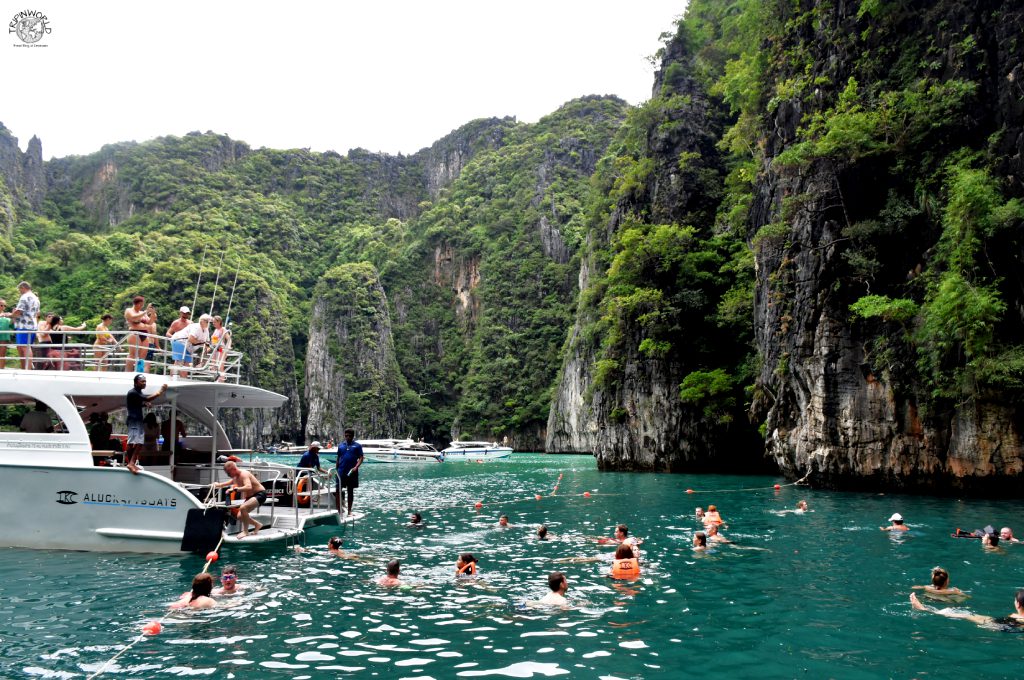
(775, 487)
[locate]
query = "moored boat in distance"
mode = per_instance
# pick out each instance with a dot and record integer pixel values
(399, 451)
(476, 451)
(64, 489)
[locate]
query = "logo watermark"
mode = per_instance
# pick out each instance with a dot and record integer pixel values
(30, 26)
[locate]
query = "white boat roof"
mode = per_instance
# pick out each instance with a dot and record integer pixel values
(105, 390)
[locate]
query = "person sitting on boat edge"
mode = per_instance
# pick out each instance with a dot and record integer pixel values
(253, 494)
(1012, 623)
(465, 565)
(391, 577)
(311, 459)
(228, 582)
(199, 596)
(350, 458)
(939, 588)
(135, 401)
(897, 523)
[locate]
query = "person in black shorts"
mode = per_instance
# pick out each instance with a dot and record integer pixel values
(350, 458)
(1014, 622)
(252, 491)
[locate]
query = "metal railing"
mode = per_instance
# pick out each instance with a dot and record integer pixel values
(127, 352)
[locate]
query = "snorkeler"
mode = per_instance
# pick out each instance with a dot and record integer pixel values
(940, 590)
(465, 565)
(228, 582)
(700, 541)
(391, 577)
(1013, 622)
(199, 596)
(897, 523)
(558, 585)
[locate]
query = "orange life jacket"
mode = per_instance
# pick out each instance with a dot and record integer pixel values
(626, 568)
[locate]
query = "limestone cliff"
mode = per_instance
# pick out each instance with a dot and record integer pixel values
(869, 379)
(23, 177)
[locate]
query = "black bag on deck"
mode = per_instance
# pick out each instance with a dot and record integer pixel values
(203, 529)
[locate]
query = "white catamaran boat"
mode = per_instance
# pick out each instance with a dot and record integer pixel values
(476, 451)
(399, 451)
(61, 493)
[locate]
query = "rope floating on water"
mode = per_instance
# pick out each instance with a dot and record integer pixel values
(774, 487)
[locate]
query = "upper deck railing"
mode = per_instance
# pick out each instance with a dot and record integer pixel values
(79, 351)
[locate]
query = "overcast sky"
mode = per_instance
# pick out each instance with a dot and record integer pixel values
(384, 75)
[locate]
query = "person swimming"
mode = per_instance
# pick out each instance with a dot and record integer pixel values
(1006, 535)
(416, 521)
(700, 541)
(625, 564)
(228, 582)
(199, 597)
(503, 522)
(940, 590)
(897, 523)
(542, 532)
(713, 536)
(1014, 622)
(712, 516)
(558, 585)
(990, 540)
(391, 577)
(698, 514)
(465, 565)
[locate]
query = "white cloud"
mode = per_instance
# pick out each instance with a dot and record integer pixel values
(388, 76)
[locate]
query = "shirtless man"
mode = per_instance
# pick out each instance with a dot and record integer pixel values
(558, 585)
(138, 321)
(252, 491)
(391, 578)
(897, 523)
(1006, 535)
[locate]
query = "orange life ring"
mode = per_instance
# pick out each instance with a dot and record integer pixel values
(626, 568)
(232, 496)
(303, 501)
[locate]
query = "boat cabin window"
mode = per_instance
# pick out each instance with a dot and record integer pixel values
(21, 413)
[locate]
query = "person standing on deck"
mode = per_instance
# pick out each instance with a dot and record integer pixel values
(183, 320)
(137, 320)
(311, 459)
(350, 457)
(134, 403)
(25, 318)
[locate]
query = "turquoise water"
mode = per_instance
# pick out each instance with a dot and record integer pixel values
(818, 595)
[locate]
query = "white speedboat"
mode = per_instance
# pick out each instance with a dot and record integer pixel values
(62, 493)
(476, 451)
(399, 451)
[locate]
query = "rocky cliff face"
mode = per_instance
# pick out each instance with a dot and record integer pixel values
(23, 175)
(352, 376)
(847, 401)
(444, 160)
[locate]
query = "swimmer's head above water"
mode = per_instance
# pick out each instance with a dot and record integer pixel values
(334, 543)
(542, 532)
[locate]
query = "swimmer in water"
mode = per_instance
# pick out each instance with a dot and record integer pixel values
(700, 541)
(1014, 622)
(714, 537)
(416, 521)
(1006, 535)
(228, 582)
(199, 596)
(542, 533)
(391, 577)
(334, 548)
(503, 522)
(712, 516)
(801, 506)
(940, 590)
(699, 514)
(465, 565)
(897, 523)
(625, 564)
(558, 585)
(990, 540)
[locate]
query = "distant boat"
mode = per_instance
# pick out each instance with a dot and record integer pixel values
(399, 451)
(476, 451)
(290, 449)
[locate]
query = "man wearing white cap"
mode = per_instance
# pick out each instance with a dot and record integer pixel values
(192, 335)
(311, 459)
(897, 523)
(184, 317)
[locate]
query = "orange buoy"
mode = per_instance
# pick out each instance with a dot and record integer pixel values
(777, 487)
(478, 505)
(586, 494)
(537, 496)
(689, 491)
(152, 628)
(212, 556)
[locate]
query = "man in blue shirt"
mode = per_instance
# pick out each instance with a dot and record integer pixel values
(134, 403)
(311, 459)
(350, 457)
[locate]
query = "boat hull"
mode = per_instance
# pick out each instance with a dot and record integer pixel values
(95, 509)
(452, 455)
(401, 457)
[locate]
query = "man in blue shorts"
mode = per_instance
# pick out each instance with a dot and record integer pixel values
(134, 402)
(24, 318)
(350, 457)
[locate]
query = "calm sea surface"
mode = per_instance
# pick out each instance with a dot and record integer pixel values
(812, 596)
